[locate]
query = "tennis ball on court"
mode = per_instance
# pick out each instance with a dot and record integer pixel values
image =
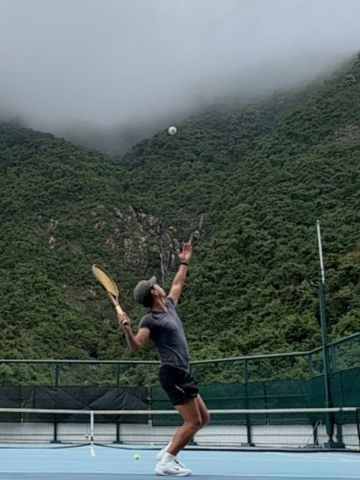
(136, 456)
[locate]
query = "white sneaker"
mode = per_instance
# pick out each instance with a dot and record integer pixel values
(172, 468)
(160, 455)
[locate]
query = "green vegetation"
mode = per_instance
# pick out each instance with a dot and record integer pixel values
(262, 174)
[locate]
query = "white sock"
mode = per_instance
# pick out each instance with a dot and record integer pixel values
(167, 458)
(165, 449)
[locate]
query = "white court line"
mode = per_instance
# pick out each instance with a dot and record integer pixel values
(319, 456)
(321, 459)
(92, 451)
(291, 460)
(231, 475)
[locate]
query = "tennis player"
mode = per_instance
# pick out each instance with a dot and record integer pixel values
(162, 325)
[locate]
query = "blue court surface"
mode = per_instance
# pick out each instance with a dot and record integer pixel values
(100, 463)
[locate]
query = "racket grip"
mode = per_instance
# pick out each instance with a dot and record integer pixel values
(120, 311)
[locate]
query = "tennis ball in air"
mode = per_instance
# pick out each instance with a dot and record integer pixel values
(136, 456)
(172, 130)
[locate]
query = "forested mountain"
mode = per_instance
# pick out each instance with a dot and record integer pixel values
(260, 174)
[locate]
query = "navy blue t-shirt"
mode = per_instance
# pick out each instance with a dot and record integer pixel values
(167, 333)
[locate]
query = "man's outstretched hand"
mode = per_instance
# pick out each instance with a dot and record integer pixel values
(186, 252)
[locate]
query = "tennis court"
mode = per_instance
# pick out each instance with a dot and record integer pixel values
(39, 444)
(101, 463)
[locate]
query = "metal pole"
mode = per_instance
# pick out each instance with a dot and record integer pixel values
(56, 377)
(310, 365)
(117, 375)
(117, 383)
(328, 403)
(328, 400)
(246, 385)
(322, 271)
(92, 427)
(56, 384)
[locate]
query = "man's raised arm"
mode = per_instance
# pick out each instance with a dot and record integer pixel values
(180, 277)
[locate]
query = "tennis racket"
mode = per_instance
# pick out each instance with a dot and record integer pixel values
(109, 285)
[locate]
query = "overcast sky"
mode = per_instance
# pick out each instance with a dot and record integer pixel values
(108, 61)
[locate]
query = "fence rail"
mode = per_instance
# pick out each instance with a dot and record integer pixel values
(344, 354)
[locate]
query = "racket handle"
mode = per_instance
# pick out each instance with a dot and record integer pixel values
(120, 311)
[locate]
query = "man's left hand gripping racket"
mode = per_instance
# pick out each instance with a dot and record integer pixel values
(110, 286)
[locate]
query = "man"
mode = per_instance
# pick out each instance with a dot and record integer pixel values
(163, 326)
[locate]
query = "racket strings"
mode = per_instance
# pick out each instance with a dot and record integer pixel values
(107, 283)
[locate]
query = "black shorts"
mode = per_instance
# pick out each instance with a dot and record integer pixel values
(179, 385)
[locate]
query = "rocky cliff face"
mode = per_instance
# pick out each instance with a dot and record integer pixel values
(147, 243)
(348, 133)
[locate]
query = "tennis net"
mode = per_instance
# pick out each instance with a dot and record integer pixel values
(228, 429)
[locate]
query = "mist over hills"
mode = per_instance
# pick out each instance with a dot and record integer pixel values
(261, 173)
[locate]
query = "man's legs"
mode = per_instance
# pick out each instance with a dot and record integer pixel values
(195, 416)
(183, 393)
(205, 415)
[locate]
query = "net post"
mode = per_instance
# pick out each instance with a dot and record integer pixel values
(56, 384)
(117, 384)
(55, 440)
(357, 417)
(117, 432)
(92, 425)
(339, 433)
(247, 417)
(55, 431)
(316, 434)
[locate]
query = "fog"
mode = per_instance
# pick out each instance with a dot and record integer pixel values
(104, 63)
